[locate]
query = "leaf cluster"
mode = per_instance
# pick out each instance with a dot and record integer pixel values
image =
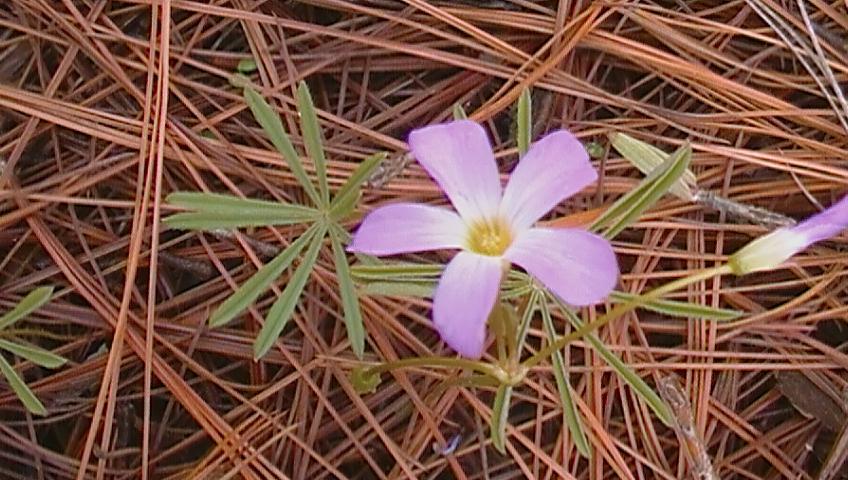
(323, 218)
(37, 355)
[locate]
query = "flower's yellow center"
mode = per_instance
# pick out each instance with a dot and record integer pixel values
(489, 237)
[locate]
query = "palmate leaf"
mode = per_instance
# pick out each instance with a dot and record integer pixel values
(260, 281)
(30, 401)
(647, 158)
(270, 122)
(346, 197)
(216, 211)
(31, 302)
(282, 310)
(569, 410)
(679, 309)
(27, 305)
(39, 356)
(350, 302)
(311, 130)
(628, 208)
(400, 289)
(213, 211)
(624, 372)
(391, 271)
(246, 65)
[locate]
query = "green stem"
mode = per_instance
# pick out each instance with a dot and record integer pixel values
(622, 309)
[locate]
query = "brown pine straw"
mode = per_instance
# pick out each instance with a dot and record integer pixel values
(106, 107)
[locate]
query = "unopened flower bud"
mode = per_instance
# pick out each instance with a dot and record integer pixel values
(767, 252)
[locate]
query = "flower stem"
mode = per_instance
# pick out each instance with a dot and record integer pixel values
(624, 308)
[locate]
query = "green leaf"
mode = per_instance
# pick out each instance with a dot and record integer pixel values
(527, 317)
(647, 158)
(569, 410)
(207, 221)
(364, 381)
(503, 323)
(400, 289)
(395, 270)
(270, 122)
(595, 150)
(239, 80)
(36, 355)
(349, 192)
(628, 208)
(679, 309)
(419, 280)
(511, 291)
(424, 288)
(260, 281)
(624, 372)
(31, 302)
(311, 130)
(282, 310)
(368, 260)
(459, 112)
(246, 65)
(524, 122)
(500, 414)
(213, 211)
(30, 401)
(350, 302)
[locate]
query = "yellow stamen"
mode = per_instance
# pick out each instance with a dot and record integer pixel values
(489, 237)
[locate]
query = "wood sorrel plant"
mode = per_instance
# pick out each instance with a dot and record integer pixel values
(573, 267)
(323, 218)
(509, 326)
(491, 234)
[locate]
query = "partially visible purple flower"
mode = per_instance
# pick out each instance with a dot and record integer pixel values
(771, 250)
(493, 227)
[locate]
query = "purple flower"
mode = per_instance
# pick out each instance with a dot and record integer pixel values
(769, 251)
(493, 227)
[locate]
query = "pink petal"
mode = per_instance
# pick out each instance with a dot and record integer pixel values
(554, 168)
(771, 250)
(464, 299)
(459, 157)
(408, 227)
(578, 266)
(825, 224)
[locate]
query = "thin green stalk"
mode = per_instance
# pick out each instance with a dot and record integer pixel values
(622, 309)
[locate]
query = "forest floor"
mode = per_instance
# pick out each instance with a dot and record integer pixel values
(106, 107)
